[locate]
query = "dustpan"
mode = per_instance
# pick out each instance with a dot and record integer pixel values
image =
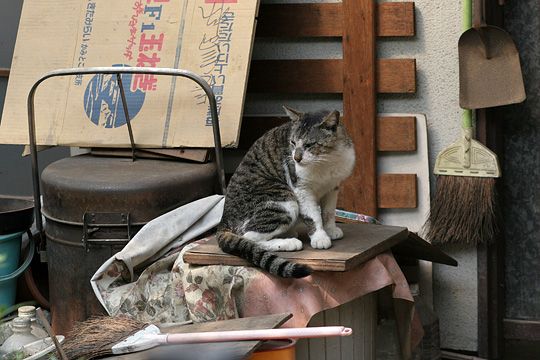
(467, 157)
(489, 67)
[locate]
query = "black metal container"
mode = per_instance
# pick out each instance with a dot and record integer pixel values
(93, 206)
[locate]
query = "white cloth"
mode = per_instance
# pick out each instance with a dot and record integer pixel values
(160, 235)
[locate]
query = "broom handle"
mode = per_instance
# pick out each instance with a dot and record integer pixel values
(467, 15)
(240, 335)
(466, 118)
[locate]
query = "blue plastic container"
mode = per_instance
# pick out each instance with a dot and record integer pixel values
(10, 250)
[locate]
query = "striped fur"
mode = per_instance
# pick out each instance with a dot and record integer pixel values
(289, 175)
(256, 254)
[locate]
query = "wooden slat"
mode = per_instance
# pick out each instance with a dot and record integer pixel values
(299, 20)
(361, 243)
(396, 19)
(396, 134)
(4, 72)
(396, 76)
(393, 133)
(326, 20)
(397, 191)
(296, 76)
(326, 76)
(359, 192)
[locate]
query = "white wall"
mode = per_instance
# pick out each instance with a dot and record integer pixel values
(438, 25)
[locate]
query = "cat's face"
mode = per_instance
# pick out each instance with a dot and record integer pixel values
(313, 136)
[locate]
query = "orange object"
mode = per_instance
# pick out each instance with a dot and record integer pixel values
(284, 349)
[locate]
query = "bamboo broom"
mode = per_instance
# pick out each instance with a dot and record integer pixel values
(464, 208)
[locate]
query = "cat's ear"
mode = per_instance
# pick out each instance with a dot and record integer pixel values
(331, 121)
(295, 115)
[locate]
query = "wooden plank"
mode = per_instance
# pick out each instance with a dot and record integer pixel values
(326, 76)
(300, 20)
(396, 76)
(347, 342)
(302, 349)
(317, 346)
(393, 133)
(370, 325)
(296, 76)
(226, 350)
(333, 346)
(417, 248)
(358, 324)
(4, 72)
(396, 133)
(359, 191)
(396, 19)
(361, 243)
(523, 330)
(326, 20)
(490, 257)
(397, 191)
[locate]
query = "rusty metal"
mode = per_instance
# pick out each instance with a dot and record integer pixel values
(93, 205)
(93, 222)
(116, 71)
(489, 67)
(145, 188)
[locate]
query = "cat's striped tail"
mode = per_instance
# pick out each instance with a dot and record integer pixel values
(254, 253)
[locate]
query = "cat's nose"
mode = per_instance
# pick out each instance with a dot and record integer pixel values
(298, 154)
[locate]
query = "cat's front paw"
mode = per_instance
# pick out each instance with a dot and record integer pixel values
(334, 232)
(320, 240)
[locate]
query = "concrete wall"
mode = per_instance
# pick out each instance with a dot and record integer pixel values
(15, 171)
(438, 26)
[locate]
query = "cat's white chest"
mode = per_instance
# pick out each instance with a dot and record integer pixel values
(325, 176)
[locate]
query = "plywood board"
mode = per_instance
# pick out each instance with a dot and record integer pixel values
(212, 38)
(361, 243)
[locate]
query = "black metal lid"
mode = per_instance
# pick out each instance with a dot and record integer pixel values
(144, 188)
(16, 214)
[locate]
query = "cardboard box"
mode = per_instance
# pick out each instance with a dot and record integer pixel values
(212, 38)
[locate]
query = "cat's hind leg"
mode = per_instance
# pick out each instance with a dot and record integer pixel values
(271, 221)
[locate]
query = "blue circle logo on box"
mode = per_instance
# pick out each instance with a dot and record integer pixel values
(103, 102)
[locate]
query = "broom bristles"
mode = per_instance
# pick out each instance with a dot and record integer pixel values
(463, 211)
(96, 336)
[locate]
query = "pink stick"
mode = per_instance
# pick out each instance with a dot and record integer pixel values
(266, 334)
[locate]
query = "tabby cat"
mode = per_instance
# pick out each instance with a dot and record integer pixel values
(290, 173)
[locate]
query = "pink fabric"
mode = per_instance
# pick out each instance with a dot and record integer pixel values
(305, 297)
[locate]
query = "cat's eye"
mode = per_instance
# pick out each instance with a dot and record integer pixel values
(293, 143)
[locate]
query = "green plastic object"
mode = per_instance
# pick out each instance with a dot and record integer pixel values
(10, 248)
